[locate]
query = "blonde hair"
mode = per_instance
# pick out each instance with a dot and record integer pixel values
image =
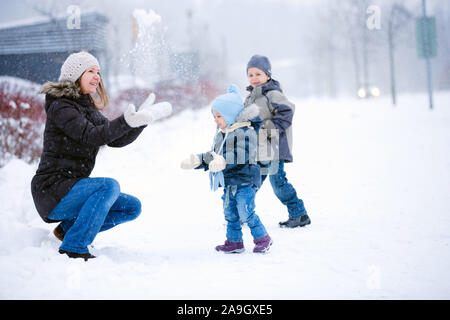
(102, 102)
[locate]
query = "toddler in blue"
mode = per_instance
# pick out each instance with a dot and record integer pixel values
(232, 165)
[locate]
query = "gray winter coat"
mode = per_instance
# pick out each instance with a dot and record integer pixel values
(276, 111)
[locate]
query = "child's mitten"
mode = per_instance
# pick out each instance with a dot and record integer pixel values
(191, 163)
(218, 164)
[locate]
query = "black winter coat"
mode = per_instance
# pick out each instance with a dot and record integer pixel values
(74, 132)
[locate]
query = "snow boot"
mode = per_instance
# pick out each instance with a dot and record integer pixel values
(231, 247)
(59, 232)
(85, 256)
(297, 222)
(262, 244)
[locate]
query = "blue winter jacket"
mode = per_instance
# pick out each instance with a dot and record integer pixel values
(239, 150)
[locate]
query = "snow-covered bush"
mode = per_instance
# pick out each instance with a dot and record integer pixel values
(22, 120)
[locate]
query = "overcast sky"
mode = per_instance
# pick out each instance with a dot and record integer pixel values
(287, 31)
(241, 28)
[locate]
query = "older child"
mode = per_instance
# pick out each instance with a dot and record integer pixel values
(232, 164)
(275, 138)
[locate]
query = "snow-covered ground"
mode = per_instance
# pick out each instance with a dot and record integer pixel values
(375, 181)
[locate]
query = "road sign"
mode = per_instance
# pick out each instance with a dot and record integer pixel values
(426, 37)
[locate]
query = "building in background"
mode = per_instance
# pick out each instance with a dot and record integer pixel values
(35, 50)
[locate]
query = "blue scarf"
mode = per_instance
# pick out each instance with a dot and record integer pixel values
(216, 179)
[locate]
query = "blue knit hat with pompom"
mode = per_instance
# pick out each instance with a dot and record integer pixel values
(229, 105)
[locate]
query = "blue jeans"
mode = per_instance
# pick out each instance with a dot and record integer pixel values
(284, 191)
(91, 206)
(239, 206)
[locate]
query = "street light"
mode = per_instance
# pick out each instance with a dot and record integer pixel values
(397, 18)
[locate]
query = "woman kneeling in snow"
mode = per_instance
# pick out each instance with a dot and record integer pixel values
(74, 131)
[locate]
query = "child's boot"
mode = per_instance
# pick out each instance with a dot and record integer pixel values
(74, 255)
(262, 244)
(231, 247)
(297, 222)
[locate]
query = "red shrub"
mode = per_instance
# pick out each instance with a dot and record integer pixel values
(22, 120)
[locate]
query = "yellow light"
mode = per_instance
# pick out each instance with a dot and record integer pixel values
(375, 92)
(362, 93)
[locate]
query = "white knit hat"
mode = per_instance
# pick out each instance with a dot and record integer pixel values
(76, 64)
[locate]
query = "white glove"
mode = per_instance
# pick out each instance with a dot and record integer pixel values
(148, 102)
(218, 164)
(157, 111)
(191, 163)
(137, 118)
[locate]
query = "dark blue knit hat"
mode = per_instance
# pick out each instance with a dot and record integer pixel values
(260, 62)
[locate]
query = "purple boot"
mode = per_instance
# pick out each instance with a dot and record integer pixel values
(262, 244)
(231, 247)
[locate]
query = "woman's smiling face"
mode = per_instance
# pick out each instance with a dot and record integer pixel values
(89, 80)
